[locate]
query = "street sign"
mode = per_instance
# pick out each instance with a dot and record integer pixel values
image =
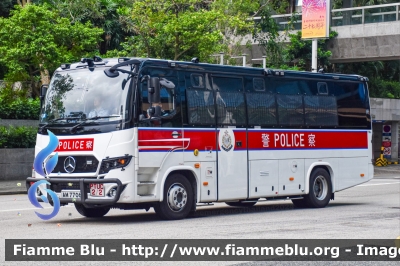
(387, 151)
(386, 143)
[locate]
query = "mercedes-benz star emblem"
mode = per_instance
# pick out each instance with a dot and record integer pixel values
(69, 164)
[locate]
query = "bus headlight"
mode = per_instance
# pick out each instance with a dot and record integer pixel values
(114, 163)
(113, 192)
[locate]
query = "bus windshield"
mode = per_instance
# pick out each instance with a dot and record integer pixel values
(79, 95)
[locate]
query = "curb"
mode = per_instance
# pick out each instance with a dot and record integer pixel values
(2, 193)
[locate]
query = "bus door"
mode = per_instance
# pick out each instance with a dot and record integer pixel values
(160, 141)
(232, 161)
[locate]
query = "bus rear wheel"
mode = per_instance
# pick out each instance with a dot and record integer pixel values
(241, 204)
(178, 198)
(320, 189)
(91, 212)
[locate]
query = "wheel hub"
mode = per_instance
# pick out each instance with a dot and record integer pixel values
(177, 197)
(320, 187)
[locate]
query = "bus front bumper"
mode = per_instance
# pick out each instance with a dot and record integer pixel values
(80, 187)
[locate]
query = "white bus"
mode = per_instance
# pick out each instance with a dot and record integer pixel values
(138, 133)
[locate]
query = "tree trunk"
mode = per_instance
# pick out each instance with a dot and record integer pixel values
(23, 2)
(45, 77)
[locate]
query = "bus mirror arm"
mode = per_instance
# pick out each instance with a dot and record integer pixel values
(154, 111)
(148, 121)
(144, 78)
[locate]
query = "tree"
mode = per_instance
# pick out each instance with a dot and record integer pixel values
(384, 76)
(5, 7)
(182, 29)
(299, 51)
(101, 13)
(35, 39)
(268, 35)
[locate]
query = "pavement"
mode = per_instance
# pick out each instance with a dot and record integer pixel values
(11, 187)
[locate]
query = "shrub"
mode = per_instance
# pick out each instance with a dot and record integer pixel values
(17, 137)
(19, 108)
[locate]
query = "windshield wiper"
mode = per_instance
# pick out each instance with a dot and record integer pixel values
(50, 123)
(72, 130)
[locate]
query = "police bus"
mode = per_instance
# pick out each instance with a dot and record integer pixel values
(137, 133)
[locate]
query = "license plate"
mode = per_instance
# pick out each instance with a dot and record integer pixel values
(71, 194)
(97, 189)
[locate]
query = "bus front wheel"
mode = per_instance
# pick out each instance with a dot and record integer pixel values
(91, 212)
(178, 198)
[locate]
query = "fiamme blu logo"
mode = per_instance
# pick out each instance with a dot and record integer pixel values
(44, 164)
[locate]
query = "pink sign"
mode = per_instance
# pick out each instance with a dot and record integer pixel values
(315, 19)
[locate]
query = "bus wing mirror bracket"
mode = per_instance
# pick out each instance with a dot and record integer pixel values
(111, 73)
(267, 72)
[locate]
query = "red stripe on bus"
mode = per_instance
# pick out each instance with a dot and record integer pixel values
(296, 139)
(308, 140)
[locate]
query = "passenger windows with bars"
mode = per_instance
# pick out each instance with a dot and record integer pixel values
(290, 110)
(315, 104)
(261, 109)
(200, 104)
(320, 111)
(229, 108)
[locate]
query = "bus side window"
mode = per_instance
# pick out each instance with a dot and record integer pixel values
(352, 109)
(287, 87)
(200, 106)
(230, 108)
(322, 88)
(290, 109)
(220, 83)
(261, 109)
(197, 81)
(258, 84)
(229, 99)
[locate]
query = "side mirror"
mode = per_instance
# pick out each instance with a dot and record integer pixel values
(154, 90)
(43, 91)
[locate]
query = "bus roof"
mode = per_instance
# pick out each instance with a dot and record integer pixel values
(150, 62)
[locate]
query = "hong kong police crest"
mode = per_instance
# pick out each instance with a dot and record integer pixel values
(226, 142)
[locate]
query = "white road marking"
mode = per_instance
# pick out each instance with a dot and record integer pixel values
(27, 209)
(380, 184)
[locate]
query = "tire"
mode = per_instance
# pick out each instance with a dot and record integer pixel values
(178, 198)
(320, 189)
(299, 203)
(241, 204)
(91, 212)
